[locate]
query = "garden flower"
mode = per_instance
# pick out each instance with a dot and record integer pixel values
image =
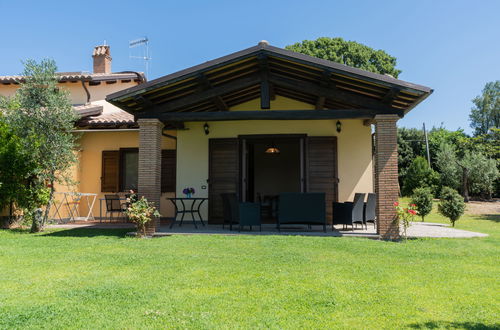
(396, 204)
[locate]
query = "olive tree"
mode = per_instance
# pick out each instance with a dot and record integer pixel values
(42, 117)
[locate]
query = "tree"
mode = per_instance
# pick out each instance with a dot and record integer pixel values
(422, 198)
(486, 111)
(419, 175)
(451, 205)
(448, 166)
(349, 53)
(410, 145)
(14, 168)
(482, 173)
(43, 118)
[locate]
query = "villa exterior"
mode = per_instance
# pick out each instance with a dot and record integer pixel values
(208, 127)
(229, 111)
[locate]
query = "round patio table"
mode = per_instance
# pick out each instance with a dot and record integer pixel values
(180, 208)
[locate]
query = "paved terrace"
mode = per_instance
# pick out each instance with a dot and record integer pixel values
(418, 229)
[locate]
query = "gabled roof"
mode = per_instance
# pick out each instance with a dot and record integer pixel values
(263, 69)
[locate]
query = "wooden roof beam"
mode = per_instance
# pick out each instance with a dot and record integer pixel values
(327, 83)
(206, 95)
(217, 100)
(265, 88)
(269, 115)
(391, 95)
(342, 96)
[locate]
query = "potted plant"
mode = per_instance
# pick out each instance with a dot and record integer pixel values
(189, 192)
(140, 212)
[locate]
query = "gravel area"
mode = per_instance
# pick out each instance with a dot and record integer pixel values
(429, 229)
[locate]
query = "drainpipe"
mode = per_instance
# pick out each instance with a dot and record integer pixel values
(86, 90)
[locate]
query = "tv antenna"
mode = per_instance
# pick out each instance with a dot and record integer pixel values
(142, 42)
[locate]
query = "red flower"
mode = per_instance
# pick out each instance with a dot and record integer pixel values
(396, 204)
(412, 212)
(413, 205)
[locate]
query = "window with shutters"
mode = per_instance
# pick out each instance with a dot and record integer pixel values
(120, 170)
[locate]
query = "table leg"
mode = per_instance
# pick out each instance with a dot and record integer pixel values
(100, 210)
(91, 207)
(192, 213)
(199, 213)
(176, 213)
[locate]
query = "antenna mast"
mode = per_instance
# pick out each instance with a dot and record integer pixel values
(144, 41)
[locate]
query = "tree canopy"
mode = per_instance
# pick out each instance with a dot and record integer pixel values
(350, 53)
(40, 115)
(485, 114)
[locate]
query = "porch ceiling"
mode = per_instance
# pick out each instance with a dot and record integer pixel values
(265, 71)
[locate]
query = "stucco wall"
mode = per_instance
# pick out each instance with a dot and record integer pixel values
(354, 146)
(88, 171)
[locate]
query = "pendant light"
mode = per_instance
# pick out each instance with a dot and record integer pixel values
(273, 149)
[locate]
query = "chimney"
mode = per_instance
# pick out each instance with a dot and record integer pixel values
(102, 59)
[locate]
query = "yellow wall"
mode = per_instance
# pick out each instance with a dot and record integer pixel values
(76, 91)
(88, 171)
(354, 146)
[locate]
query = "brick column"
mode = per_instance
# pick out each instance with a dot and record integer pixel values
(149, 186)
(386, 174)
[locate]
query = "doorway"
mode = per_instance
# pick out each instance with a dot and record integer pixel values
(271, 164)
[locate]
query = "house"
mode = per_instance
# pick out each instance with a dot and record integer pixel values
(107, 133)
(226, 113)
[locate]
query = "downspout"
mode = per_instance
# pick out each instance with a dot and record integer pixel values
(86, 90)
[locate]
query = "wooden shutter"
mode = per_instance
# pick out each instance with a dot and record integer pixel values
(322, 169)
(110, 174)
(168, 170)
(223, 174)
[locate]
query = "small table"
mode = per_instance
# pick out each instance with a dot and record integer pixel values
(72, 201)
(180, 208)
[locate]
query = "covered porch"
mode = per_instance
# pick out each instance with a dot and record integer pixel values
(228, 112)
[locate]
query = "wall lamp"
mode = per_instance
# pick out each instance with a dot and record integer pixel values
(339, 126)
(206, 128)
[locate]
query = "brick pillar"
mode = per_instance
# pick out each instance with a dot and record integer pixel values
(150, 132)
(386, 174)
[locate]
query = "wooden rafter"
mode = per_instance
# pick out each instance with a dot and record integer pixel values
(265, 93)
(217, 99)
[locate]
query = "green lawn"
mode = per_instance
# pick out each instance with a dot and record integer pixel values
(99, 279)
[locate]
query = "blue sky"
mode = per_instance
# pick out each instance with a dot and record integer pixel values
(451, 46)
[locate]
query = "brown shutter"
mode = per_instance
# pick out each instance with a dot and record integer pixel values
(223, 174)
(110, 177)
(168, 170)
(322, 169)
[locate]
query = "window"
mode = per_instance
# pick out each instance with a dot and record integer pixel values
(120, 170)
(129, 169)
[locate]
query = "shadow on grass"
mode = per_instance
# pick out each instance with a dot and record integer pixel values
(490, 217)
(453, 325)
(88, 232)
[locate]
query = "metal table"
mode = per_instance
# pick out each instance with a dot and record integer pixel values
(180, 208)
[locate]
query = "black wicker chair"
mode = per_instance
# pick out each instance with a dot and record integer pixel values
(349, 213)
(243, 214)
(370, 210)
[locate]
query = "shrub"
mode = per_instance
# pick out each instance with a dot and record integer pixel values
(405, 216)
(141, 212)
(422, 198)
(419, 175)
(451, 205)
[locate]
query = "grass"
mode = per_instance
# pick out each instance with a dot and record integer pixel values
(85, 278)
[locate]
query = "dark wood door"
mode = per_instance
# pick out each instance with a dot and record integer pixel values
(223, 174)
(321, 162)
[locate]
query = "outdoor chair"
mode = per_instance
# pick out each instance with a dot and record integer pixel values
(243, 214)
(349, 213)
(114, 204)
(230, 217)
(370, 210)
(302, 208)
